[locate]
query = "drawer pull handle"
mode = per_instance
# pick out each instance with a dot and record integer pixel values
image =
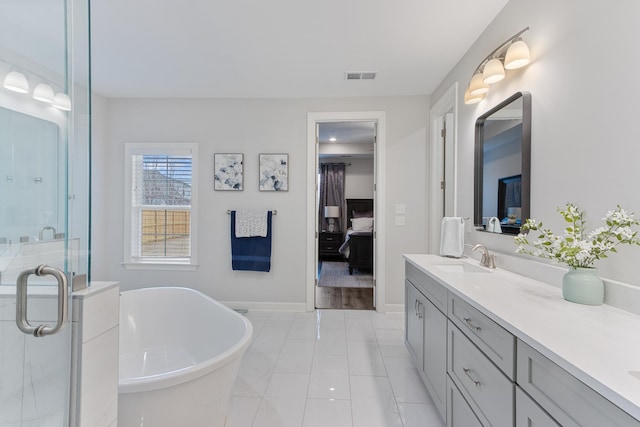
(471, 325)
(467, 371)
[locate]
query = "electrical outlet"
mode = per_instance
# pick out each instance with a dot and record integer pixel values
(400, 209)
(400, 220)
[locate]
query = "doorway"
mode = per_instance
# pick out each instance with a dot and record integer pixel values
(318, 223)
(345, 203)
(443, 155)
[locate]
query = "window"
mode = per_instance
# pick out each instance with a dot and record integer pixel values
(160, 204)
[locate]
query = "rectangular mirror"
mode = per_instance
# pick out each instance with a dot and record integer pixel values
(503, 166)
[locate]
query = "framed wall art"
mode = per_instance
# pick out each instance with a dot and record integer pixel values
(274, 172)
(228, 171)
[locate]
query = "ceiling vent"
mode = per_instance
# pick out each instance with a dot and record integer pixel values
(366, 75)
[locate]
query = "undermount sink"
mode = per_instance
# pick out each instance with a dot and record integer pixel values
(460, 267)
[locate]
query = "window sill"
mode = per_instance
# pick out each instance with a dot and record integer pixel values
(162, 266)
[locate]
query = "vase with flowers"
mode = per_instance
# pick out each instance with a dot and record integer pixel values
(579, 249)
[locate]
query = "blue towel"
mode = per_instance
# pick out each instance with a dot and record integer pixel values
(250, 253)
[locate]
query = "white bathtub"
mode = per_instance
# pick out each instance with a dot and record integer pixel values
(179, 356)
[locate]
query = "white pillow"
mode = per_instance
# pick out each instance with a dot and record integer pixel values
(362, 224)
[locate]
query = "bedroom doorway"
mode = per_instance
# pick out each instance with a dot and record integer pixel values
(379, 250)
(345, 199)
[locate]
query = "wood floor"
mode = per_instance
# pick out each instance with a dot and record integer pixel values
(345, 298)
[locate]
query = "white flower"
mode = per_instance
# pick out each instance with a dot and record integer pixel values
(574, 247)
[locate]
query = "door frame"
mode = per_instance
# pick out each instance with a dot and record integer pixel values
(379, 117)
(447, 104)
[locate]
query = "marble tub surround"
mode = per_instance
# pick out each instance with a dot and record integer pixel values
(594, 344)
(94, 382)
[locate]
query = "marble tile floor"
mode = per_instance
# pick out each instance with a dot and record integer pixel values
(336, 368)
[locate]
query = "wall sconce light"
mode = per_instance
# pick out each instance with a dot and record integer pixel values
(16, 82)
(43, 92)
(510, 55)
(62, 102)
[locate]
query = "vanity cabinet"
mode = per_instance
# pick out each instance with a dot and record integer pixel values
(426, 334)
(488, 391)
(568, 400)
(481, 363)
(478, 372)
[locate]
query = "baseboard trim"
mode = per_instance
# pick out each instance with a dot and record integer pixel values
(394, 308)
(266, 306)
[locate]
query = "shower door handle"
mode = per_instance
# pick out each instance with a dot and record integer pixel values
(21, 301)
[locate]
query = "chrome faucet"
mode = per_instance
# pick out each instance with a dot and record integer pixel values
(488, 260)
(45, 228)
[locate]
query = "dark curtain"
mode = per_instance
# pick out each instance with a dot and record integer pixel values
(513, 196)
(331, 194)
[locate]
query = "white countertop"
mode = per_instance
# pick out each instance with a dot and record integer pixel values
(600, 345)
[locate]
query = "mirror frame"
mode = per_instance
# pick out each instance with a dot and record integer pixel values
(525, 158)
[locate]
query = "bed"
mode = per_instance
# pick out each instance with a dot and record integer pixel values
(358, 243)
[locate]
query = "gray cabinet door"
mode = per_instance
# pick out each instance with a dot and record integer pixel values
(435, 355)
(414, 329)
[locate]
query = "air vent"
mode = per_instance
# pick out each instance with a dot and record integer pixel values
(366, 75)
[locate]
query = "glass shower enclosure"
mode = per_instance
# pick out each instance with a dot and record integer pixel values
(44, 203)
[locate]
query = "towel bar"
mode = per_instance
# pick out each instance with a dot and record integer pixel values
(272, 212)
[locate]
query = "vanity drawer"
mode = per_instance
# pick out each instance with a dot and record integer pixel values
(495, 341)
(529, 414)
(563, 396)
(489, 392)
(436, 293)
(459, 413)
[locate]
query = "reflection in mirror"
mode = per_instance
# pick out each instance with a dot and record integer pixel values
(30, 176)
(503, 166)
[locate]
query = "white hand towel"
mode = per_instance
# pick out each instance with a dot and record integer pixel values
(251, 223)
(493, 225)
(452, 236)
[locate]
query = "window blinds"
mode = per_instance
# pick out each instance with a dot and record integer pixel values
(161, 206)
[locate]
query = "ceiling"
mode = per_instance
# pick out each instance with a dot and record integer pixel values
(350, 139)
(279, 48)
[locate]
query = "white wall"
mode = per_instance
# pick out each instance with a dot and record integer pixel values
(584, 85)
(251, 126)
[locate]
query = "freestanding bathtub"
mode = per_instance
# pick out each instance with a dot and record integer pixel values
(179, 356)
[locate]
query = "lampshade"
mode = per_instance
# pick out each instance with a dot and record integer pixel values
(493, 71)
(472, 99)
(331, 211)
(62, 102)
(43, 92)
(477, 85)
(517, 55)
(16, 82)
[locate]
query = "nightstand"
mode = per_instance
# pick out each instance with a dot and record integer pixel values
(328, 244)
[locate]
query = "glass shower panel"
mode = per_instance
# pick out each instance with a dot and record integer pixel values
(44, 199)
